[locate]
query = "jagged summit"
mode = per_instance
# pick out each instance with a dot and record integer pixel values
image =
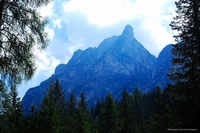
(128, 31)
(118, 62)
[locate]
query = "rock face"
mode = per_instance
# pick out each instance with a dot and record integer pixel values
(162, 66)
(118, 62)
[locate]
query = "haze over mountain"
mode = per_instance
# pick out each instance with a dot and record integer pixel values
(118, 62)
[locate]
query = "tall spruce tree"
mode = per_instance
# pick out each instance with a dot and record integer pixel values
(159, 114)
(96, 115)
(71, 113)
(33, 121)
(21, 31)
(11, 117)
(186, 64)
(109, 116)
(126, 112)
(139, 111)
(83, 116)
(56, 94)
(52, 110)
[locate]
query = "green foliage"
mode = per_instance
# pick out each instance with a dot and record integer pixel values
(21, 33)
(56, 94)
(71, 113)
(96, 114)
(109, 116)
(11, 115)
(158, 118)
(52, 109)
(2, 95)
(136, 112)
(126, 112)
(33, 121)
(185, 72)
(139, 110)
(83, 116)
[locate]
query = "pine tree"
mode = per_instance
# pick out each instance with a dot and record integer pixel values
(56, 93)
(96, 115)
(109, 116)
(12, 112)
(148, 99)
(186, 64)
(126, 112)
(83, 116)
(159, 114)
(21, 31)
(33, 121)
(52, 109)
(139, 112)
(71, 113)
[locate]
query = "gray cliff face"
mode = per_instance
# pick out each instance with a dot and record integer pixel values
(159, 76)
(118, 62)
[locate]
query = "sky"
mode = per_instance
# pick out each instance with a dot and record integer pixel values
(79, 24)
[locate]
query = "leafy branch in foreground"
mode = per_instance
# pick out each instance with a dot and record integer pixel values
(21, 34)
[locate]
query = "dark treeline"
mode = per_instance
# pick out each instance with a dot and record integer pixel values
(136, 112)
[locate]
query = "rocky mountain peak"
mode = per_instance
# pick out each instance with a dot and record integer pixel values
(128, 31)
(118, 62)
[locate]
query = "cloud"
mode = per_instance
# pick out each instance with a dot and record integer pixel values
(108, 12)
(57, 23)
(50, 32)
(101, 13)
(46, 11)
(45, 64)
(154, 16)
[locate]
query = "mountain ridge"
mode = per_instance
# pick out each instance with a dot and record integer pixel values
(118, 62)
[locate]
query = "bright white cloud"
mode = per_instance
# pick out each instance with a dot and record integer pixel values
(46, 11)
(50, 32)
(57, 23)
(149, 8)
(154, 16)
(46, 64)
(158, 33)
(102, 12)
(107, 12)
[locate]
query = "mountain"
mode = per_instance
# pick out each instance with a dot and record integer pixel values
(159, 76)
(118, 62)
